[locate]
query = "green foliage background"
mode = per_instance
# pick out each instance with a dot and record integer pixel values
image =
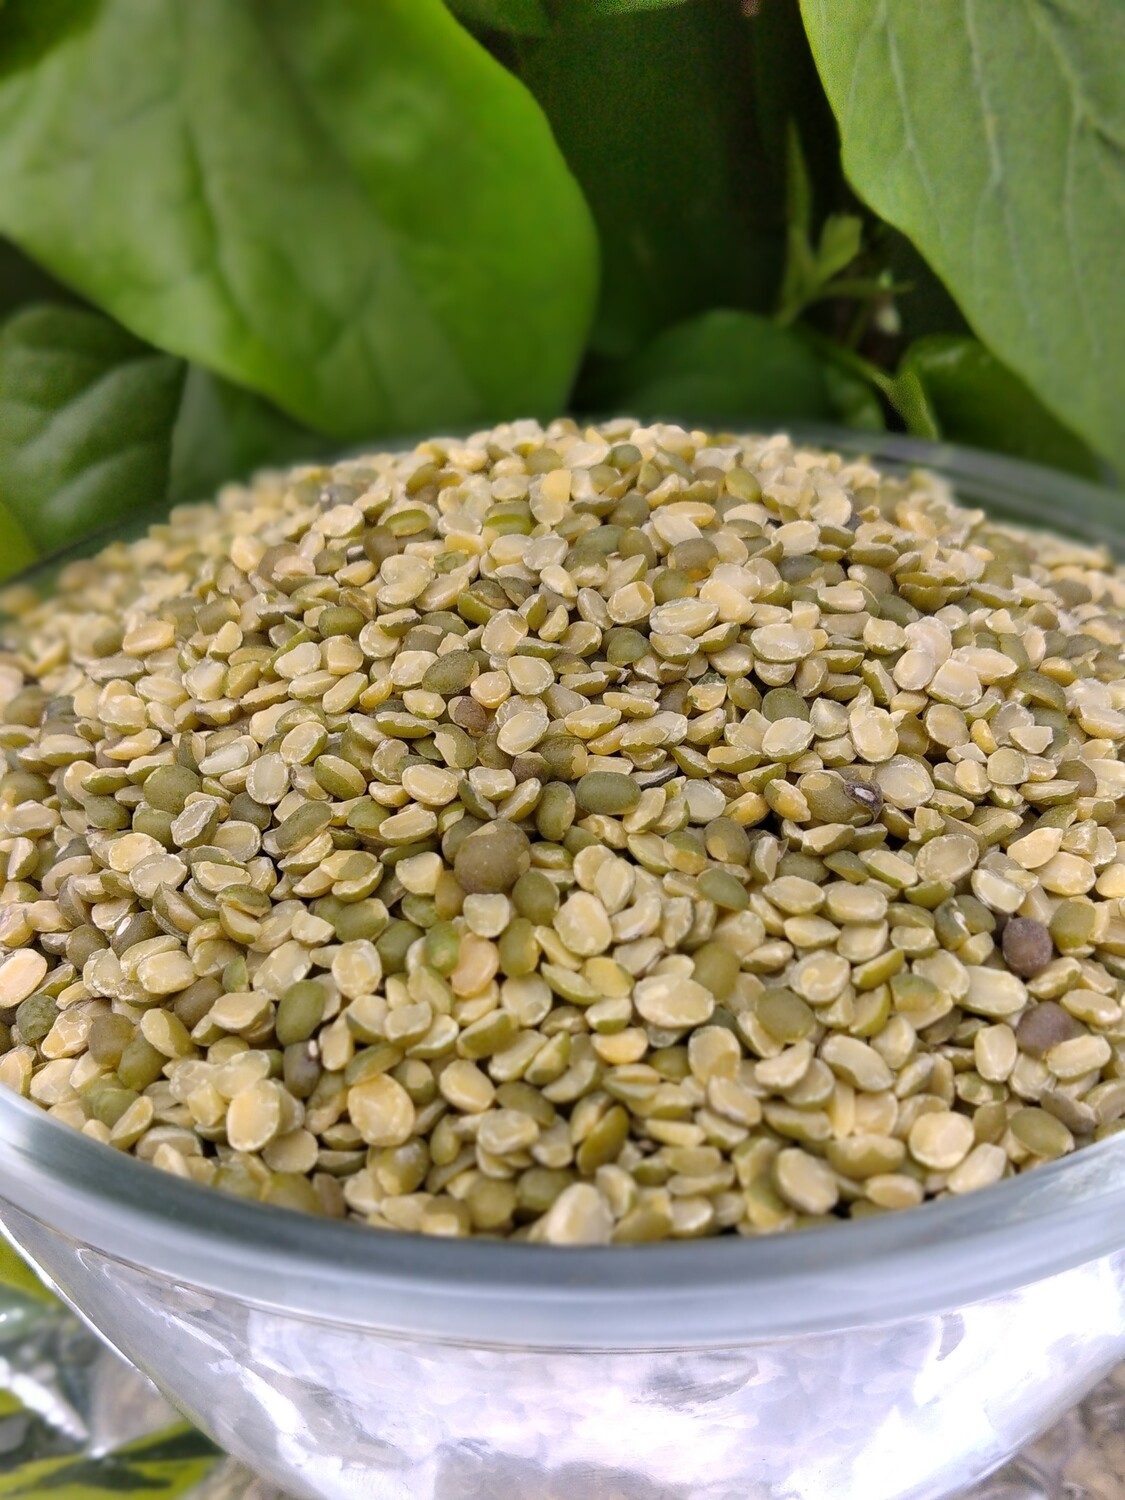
(297, 226)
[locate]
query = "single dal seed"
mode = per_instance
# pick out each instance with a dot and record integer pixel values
(672, 1002)
(166, 973)
(583, 925)
(465, 1087)
(491, 860)
(941, 1140)
(995, 1051)
(607, 792)
(578, 1216)
(1077, 1056)
(20, 974)
(300, 1012)
(805, 1182)
(857, 1063)
(357, 968)
(984, 1165)
(1041, 1133)
(382, 1111)
(254, 1117)
(724, 889)
(1028, 947)
(1044, 1027)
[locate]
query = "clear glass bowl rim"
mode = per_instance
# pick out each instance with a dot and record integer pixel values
(679, 1295)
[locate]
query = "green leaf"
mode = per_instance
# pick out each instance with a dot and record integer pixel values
(654, 114)
(809, 270)
(173, 1445)
(903, 392)
(612, 7)
(924, 305)
(994, 136)
(96, 426)
(17, 1275)
(798, 187)
(909, 397)
(852, 400)
(840, 242)
(810, 273)
(22, 281)
(163, 1467)
(351, 209)
(800, 271)
(519, 17)
(722, 368)
(17, 550)
(977, 400)
(223, 432)
(10, 1406)
(29, 29)
(86, 413)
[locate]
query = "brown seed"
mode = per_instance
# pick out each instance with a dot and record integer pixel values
(1027, 946)
(1044, 1026)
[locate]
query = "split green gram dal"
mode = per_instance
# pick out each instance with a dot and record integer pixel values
(576, 835)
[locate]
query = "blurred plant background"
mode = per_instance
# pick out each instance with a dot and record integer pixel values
(242, 232)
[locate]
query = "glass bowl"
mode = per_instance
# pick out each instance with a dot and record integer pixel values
(898, 1358)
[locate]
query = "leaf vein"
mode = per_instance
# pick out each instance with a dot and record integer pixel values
(910, 138)
(341, 325)
(1084, 106)
(1089, 322)
(997, 180)
(1082, 115)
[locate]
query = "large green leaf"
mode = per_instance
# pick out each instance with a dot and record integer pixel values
(612, 7)
(654, 113)
(223, 432)
(17, 550)
(86, 413)
(974, 399)
(992, 132)
(350, 208)
(724, 368)
(520, 17)
(22, 281)
(96, 426)
(30, 30)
